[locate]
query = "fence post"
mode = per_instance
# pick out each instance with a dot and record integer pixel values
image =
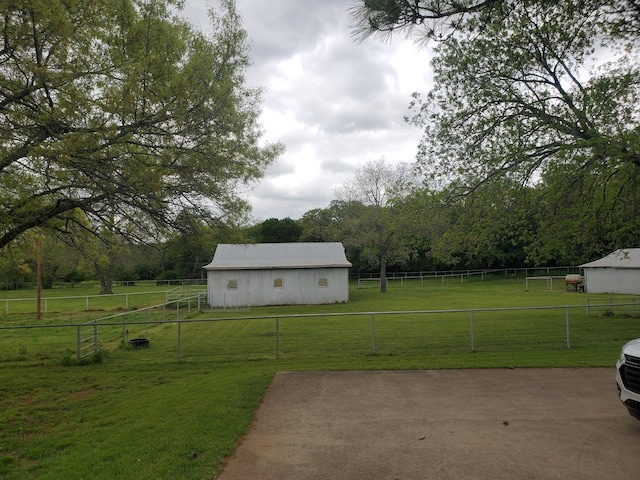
(95, 336)
(86, 303)
(78, 347)
(277, 337)
(473, 338)
(179, 343)
(566, 320)
(373, 333)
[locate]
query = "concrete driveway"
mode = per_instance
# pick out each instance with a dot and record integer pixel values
(440, 424)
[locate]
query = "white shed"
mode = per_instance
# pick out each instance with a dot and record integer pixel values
(618, 272)
(278, 274)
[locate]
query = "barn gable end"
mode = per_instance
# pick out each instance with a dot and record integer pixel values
(618, 272)
(278, 274)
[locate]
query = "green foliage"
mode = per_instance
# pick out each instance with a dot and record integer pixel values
(273, 230)
(512, 102)
(441, 19)
(541, 96)
(581, 217)
(371, 220)
(122, 111)
(320, 225)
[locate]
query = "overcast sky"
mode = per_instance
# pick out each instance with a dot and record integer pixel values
(334, 103)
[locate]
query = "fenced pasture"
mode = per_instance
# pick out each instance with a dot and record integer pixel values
(183, 330)
(177, 408)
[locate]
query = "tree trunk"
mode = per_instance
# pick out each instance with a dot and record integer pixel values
(383, 275)
(105, 275)
(106, 284)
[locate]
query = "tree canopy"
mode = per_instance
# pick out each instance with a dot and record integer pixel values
(120, 113)
(520, 95)
(533, 93)
(440, 19)
(370, 219)
(273, 230)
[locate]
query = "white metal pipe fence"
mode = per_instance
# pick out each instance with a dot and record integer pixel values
(28, 304)
(419, 332)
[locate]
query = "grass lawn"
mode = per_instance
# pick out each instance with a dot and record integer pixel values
(142, 414)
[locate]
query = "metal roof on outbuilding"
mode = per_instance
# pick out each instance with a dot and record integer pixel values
(621, 258)
(278, 255)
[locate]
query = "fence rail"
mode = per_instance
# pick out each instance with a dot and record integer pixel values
(88, 302)
(375, 281)
(462, 275)
(175, 337)
(507, 272)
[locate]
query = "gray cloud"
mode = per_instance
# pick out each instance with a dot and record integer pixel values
(335, 104)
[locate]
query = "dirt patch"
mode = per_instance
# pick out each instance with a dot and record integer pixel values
(86, 393)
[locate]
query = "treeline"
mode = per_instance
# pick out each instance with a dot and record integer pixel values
(500, 226)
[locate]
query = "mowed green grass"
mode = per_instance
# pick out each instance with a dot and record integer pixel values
(142, 414)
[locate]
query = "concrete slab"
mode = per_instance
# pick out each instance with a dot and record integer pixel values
(440, 424)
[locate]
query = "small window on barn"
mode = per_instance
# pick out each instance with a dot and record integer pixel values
(277, 283)
(232, 285)
(323, 282)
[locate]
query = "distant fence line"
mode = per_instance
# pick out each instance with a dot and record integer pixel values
(517, 271)
(462, 275)
(467, 273)
(121, 283)
(88, 300)
(364, 282)
(173, 335)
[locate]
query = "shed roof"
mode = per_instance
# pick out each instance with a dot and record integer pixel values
(621, 258)
(261, 256)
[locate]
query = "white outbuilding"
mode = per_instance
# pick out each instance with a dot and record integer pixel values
(278, 274)
(618, 272)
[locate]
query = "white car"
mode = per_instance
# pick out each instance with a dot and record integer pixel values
(628, 377)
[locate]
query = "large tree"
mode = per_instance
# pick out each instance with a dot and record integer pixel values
(538, 93)
(515, 97)
(273, 230)
(121, 110)
(371, 219)
(520, 84)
